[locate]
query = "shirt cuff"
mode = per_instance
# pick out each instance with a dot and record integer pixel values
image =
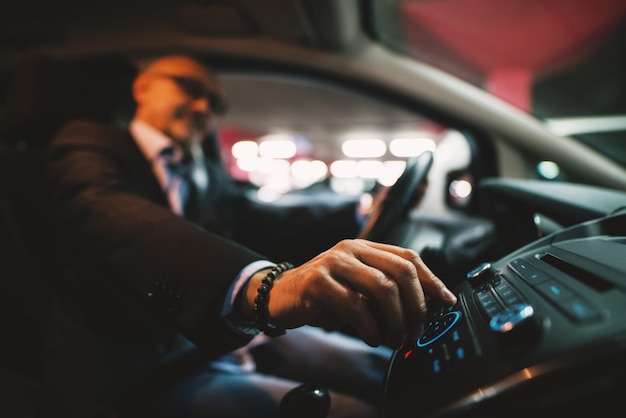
(241, 279)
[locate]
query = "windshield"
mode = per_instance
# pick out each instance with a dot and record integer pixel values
(563, 61)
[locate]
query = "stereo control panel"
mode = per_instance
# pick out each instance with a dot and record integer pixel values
(540, 332)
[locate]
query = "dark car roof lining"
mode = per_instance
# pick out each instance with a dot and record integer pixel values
(325, 24)
(43, 92)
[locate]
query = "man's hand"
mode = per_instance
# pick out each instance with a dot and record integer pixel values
(378, 289)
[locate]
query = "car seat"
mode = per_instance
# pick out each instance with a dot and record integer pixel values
(41, 94)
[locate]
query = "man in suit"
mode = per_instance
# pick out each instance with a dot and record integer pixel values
(162, 316)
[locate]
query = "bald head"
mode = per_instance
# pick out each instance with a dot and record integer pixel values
(184, 66)
(178, 96)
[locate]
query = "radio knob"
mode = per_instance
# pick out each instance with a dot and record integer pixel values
(480, 274)
(513, 318)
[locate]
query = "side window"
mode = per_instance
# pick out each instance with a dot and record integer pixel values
(292, 135)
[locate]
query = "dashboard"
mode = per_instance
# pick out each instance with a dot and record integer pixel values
(539, 331)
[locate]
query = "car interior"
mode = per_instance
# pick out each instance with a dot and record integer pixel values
(537, 264)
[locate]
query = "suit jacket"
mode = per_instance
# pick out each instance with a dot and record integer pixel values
(127, 261)
(135, 284)
(138, 273)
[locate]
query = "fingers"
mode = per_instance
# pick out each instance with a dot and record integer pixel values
(433, 285)
(394, 279)
(376, 288)
(390, 281)
(379, 295)
(351, 307)
(427, 279)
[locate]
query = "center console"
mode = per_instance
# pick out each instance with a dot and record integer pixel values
(540, 332)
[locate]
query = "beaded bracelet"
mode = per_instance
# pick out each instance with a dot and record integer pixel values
(262, 299)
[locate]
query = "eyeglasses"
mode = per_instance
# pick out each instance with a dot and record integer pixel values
(196, 89)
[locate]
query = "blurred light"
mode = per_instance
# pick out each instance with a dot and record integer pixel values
(244, 149)
(306, 173)
(269, 172)
(391, 172)
(548, 170)
(277, 146)
(256, 178)
(276, 176)
(351, 186)
(363, 148)
(344, 168)
(370, 169)
(271, 166)
(411, 147)
(248, 163)
(460, 189)
(267, 194)
(278, 182)
(366, 200)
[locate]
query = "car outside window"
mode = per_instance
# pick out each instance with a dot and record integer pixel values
(301, 137)
(560, 61)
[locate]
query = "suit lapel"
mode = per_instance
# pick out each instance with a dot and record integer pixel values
(141, 174)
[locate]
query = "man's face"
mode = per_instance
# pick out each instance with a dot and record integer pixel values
(174, 95)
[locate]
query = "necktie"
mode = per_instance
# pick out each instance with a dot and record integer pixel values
(179, 184)
(190, 202)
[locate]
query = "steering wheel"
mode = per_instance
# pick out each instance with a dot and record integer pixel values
(399, 199)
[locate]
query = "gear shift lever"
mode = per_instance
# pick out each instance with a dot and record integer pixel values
(305, 401)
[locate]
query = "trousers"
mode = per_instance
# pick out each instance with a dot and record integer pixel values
(248, 382)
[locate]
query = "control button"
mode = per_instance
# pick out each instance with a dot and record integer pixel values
(506, 292)
(577, 308)
(482, 292)
(437, 328)
(434, 359)
(460, 354)
(437, 366)
(555, 291)
(500, 284)
(480, 274)
(511, 297)
(452, 350)
(530, 274)
(440, 311)
(511, 318)
(449, 309)
(580, 310)
(455, 355)
(487, 301)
